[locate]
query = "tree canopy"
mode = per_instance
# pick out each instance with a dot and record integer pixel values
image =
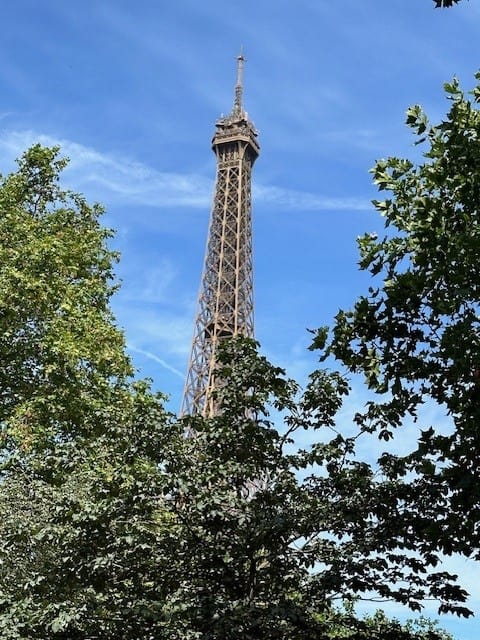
(79, 479)
(445, 3)
(415, 335)
(114, 524)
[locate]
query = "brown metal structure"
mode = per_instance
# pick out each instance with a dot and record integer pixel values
(225, 304)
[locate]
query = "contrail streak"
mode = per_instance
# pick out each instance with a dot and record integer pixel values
(155, 358)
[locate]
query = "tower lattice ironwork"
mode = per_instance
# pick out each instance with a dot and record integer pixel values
(225, 304)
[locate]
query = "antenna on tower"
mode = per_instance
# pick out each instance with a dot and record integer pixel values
(237, 104)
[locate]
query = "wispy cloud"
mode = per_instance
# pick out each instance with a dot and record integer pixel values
(169, 330)
(151, 356)
(112, 178)
(151, 286)
(292, 199)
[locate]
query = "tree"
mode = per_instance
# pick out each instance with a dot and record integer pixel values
(82, 530)
(416, 335)
(59, 344)
(445, 3)
(99, 545)
(269, 554)
(114, 524)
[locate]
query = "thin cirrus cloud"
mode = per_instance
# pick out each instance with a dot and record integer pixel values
(151, 285)
(111, 178)
(292, 199)
(152, 356)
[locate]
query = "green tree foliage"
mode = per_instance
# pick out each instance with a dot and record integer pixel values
(90, 557)
(445, 3)
(416, 335)
(268, 554)
(113, 524)
(80, 488)
(59, 346)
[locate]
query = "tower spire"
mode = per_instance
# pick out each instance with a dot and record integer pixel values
(225, 302)
(237, 104)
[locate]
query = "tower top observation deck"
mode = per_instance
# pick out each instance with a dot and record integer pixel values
(237, 126)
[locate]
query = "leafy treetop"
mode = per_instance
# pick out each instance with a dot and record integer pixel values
(445, 3)
(415, 335)
(114, 524)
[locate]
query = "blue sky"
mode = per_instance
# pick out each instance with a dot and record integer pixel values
(131, 91)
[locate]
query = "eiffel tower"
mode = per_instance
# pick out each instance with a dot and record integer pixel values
(225, 303)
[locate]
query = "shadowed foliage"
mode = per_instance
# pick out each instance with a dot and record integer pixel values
(115, 525)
